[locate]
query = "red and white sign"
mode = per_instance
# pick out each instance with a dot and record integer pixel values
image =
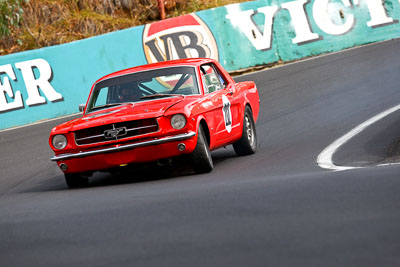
(177, 38)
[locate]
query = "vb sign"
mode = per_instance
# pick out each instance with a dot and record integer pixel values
(177, 38)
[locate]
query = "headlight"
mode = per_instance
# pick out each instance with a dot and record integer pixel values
(59, 141)
(178, 121)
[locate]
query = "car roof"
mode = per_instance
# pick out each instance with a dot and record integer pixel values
(165, 64)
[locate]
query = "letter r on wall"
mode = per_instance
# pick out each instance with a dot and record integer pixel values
(43, 82)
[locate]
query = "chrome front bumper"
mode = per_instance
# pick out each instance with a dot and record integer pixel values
(179, 137)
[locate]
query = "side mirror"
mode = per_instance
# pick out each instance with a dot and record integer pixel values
(81, 107)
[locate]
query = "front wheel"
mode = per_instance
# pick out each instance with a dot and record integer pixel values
(247, 144)
(75, 180)
(201, 156)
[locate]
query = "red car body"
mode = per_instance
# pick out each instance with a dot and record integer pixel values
(142, 131)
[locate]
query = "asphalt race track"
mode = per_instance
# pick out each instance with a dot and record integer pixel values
(274, 208)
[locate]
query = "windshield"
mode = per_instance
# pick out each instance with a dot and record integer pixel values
(142, 86)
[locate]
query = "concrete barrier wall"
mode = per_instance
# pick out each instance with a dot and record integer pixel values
(51, 82)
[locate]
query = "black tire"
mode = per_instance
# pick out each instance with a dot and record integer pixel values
(247, 144)
(201, 156)
(76, 180)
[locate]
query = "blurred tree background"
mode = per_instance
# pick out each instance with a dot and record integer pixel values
(31, 24)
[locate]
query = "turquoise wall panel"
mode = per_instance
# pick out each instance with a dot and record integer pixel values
(236, 50)
(75, 66)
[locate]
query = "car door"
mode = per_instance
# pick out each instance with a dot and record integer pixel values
(224, 107)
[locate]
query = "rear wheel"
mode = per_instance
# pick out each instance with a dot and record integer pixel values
(247, 144)
(201, 156)
(75, 180)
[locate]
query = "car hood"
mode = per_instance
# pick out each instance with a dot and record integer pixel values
(126, 112)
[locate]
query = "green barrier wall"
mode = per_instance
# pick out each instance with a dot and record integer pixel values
(51, 82)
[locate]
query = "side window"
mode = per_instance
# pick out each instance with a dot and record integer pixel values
(211, 79)
(222, 80)
(102, 97)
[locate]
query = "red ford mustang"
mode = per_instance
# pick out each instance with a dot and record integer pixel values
(157, 112)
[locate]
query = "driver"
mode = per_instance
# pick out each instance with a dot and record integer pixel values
(129, 92)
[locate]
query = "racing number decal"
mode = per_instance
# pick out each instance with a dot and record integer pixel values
(226, 111)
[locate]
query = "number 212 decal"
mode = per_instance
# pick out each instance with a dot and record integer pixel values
(226, 110)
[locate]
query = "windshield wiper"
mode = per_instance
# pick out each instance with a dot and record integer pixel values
(107, 106)
(159, 96)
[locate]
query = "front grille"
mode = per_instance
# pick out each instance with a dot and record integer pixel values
(115, 131)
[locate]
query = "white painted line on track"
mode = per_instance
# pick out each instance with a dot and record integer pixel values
(324, 159)
(388, 164)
